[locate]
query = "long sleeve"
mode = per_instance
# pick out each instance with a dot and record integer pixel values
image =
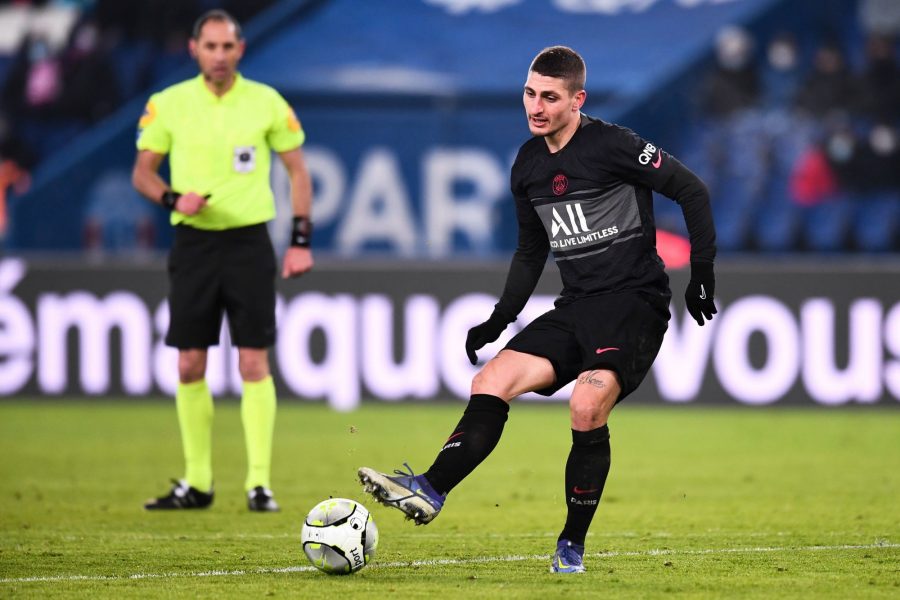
(527, 263)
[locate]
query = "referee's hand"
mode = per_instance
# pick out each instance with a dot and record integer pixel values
(190, 203)
(297, 261)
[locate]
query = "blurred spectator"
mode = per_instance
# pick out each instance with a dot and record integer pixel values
(830, 86)
(880, 16)
(90, 86)
(782, 70)
(35, 82)
(16, 160)
(845, 156)
(879, 159)
(734, 82)
(879, 95)
(812, 180)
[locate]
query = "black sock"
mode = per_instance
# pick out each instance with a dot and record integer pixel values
(473, 439)
(586, 472)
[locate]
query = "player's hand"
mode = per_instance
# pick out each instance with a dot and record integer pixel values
(190, 203)
(701, 292)
(297, 261)
(483, 334)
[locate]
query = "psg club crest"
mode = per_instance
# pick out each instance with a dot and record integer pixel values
(560, 184)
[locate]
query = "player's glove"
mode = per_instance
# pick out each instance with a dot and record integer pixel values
(483, 334)
(701, 291)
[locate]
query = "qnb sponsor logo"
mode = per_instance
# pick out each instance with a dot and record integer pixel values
(650, 155)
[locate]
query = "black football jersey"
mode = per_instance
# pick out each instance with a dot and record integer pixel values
(591, 205)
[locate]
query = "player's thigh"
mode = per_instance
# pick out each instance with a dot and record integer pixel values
(195, 308)
(593, 398)
(511, 373)
(248, 287)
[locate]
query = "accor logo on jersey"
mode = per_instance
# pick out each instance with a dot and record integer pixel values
(646, 156)
(560, 184)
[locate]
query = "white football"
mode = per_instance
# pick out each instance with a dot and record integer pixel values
(339, 536)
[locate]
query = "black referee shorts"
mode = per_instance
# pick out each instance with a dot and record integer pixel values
(619, 332)
(215, 272)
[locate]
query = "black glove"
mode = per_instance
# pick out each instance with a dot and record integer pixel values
(701, 291)
(483, 334)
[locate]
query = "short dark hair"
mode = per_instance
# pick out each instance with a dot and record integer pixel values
(561, 62)
(217, 14)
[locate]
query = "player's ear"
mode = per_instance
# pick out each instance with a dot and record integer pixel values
(192, 47)
(580, 97)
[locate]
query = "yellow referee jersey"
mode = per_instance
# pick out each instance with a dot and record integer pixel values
(221, 146)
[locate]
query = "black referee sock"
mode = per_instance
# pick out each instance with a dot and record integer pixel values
(586, 472)
(473, 439)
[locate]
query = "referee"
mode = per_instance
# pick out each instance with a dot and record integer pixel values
(218, 130)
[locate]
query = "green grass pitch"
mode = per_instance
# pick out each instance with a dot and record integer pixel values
(700, 503)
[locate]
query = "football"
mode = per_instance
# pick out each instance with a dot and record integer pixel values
(339, 536)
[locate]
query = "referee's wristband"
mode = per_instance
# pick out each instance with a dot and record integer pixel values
(301, 232)
(169, 199)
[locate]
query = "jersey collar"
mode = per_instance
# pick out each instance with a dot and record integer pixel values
(207, 94)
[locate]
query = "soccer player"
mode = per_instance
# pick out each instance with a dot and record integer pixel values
(583, 190)
(218, 130)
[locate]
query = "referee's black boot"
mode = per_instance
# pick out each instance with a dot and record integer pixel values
(260, 499)
(181, 496)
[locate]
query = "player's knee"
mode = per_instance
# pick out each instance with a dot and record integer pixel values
(191, 366)
(253, 366)
(490, 380)
(590, 414)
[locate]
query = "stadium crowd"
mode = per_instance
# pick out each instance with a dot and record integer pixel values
(794, 130)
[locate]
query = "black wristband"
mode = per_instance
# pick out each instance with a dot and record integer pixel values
(301, 232)
(169, 199)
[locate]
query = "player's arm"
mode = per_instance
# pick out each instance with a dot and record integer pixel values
(298, 258)
(641, 161)
(146, 180)
(692, 195)
(524, 272)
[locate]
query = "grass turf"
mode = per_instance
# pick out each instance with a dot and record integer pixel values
(699, 503)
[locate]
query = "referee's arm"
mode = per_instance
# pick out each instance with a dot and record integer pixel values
(298, 259)
(146, 180)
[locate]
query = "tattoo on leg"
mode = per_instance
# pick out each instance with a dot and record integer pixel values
(590, 379)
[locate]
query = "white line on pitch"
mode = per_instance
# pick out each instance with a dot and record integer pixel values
(452, 561)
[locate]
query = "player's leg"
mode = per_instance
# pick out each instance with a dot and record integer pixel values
(194, 405)
(587, 467)
(248, 290)
(258, 407)
(194, 324)
(617, 352)
(504, 377)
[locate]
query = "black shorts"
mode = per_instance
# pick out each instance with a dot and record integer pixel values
(211, 272)
(619, 332)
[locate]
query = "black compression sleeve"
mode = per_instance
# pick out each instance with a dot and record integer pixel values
(527, 263)
(691, 194)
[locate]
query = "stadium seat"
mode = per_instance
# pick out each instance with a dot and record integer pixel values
(877, 223)
(777, 226)
(827, 225)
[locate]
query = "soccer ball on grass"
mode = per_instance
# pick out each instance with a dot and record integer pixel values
(339, 536)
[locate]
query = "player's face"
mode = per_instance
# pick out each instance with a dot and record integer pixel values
(218, 51)
(550, 106)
